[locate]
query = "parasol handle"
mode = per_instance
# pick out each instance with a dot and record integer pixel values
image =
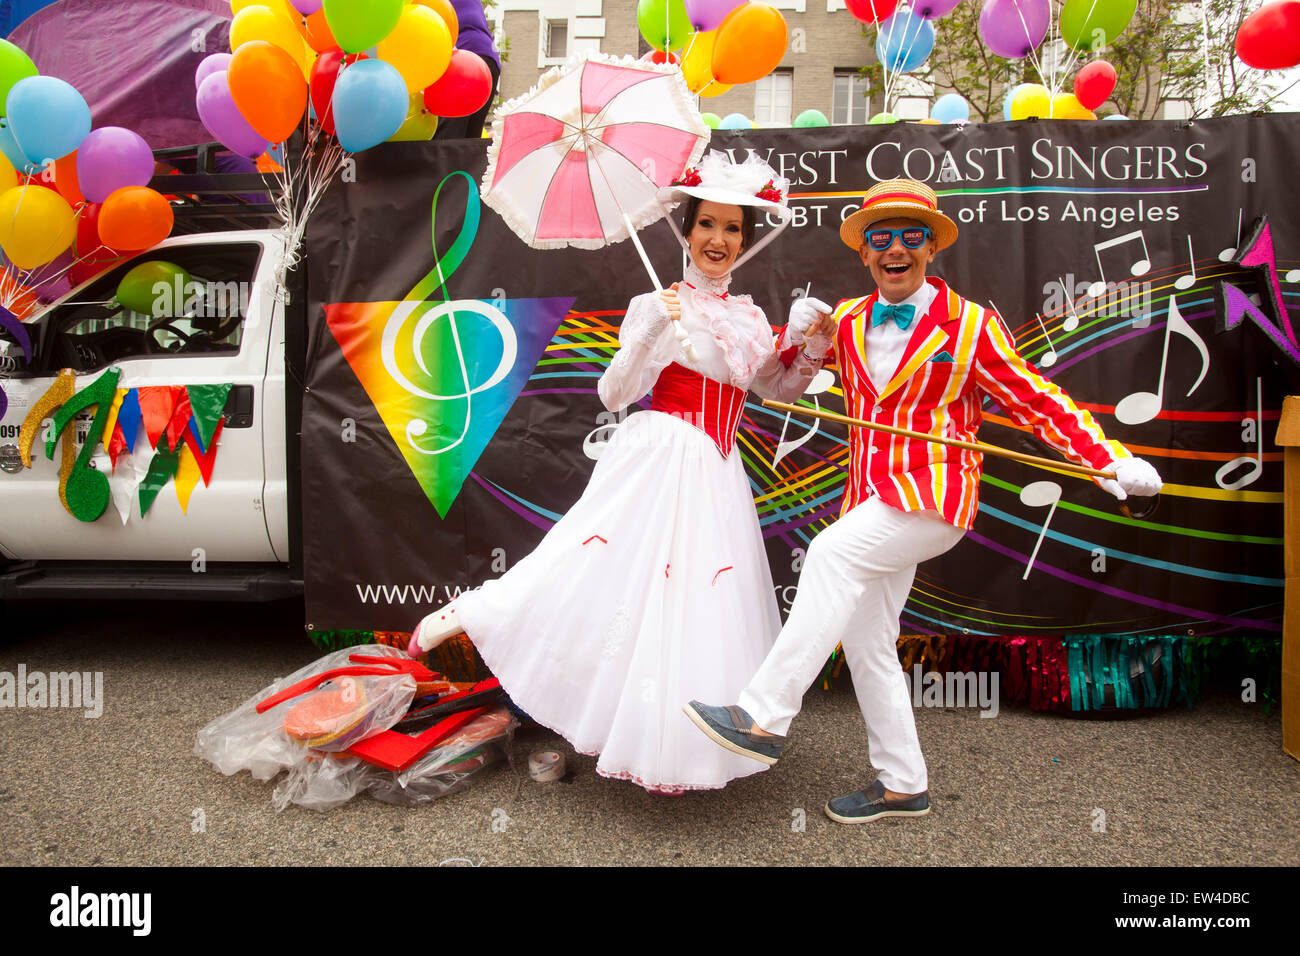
(682, 337)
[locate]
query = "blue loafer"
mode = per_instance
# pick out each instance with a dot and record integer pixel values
(731, 727)
(863, 806)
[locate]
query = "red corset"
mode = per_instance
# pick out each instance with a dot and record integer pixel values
(710, 406)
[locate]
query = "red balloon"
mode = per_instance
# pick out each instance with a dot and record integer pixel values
(324, 74)
(1269, 39)
(873, 11)
(462, 89)
(1095, 82)
(93, 257)
(659, 56)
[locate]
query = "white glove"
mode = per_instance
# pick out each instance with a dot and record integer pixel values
(807, 319)
(650, 316)
(1133, 476)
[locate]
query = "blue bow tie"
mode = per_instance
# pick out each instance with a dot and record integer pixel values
(883, 312)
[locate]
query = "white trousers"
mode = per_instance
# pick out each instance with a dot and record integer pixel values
(854, 583)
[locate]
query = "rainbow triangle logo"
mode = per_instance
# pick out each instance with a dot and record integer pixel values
(443, 375)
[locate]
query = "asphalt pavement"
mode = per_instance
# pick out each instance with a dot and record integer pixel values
(1207, 786)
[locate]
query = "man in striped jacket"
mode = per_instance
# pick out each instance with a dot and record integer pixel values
(918, 356)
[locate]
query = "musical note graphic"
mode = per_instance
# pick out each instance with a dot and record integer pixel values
(1183, 283)
(1231, 251)
(822, 381)
(1139, 267)
(1144, 406)
(1039, 494)
(1292, 275)
(1049, 357)
(1256, 462)
(1072, 322)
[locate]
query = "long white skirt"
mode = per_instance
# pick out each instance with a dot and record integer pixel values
(653, 590)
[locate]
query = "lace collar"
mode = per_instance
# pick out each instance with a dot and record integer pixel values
(704, 283)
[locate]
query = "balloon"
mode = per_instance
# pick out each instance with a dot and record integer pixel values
(1096, 81)
(445, 10)
(260, 22)
(934, 9)
(267, 86)
(109, 158)
(8, 175)
(904, 42)
(735, 121)
(871, 11)
(419, 47)
(324, 75)
(663, 23)
(708, 15)
(811, 118)
(1014, 28)
(56, 283)
(881, 119)
(462, 89)
(711, 120)
(48, 118)
(660, 57)
(950, 107)
(1115, 116)
(221, 117)
(306, 7)
(1031, 100)
(9, 147)
(369, 103)
(697, 61)
(1269, 39)
(316, 31)
(136, 292)
(134, 217)
(212, 63)
(1094, 24)
(1006, 101)
(1067, 106)
(15, 65)
(358, 25)
(420, 124)
(751, 43)
(35, 225)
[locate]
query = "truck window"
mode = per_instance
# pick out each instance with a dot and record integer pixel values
(92, 330)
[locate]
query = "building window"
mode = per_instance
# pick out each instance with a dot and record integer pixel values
(774, 98)
(849, 98)
(557, 39)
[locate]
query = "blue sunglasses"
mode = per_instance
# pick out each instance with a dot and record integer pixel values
(913, 237)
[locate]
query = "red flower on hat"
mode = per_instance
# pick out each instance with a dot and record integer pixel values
(769, 192)
(690, 177)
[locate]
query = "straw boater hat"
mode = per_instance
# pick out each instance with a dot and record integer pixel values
(899, 199)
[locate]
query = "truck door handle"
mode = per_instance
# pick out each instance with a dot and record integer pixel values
(239, 407)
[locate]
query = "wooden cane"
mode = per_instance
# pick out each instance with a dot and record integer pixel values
(956, 443)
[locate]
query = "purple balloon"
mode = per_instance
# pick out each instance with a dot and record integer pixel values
(708, 14)
(934, 9)
(212, 63)
(1014, 28)
(307, 7)
(112, 157)
(223, 120)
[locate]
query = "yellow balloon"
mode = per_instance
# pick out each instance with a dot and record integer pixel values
(8, 175)
(308, 62)
(1067, 106)
(36, 224)
(420, 124)
(260, 22)
(716, 88)
(698, 59)
(1032, 100)
(237, 5)
(419, 47)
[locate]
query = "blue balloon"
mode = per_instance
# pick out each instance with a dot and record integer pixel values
(47, 116)
(1011, 95)
(1115, 116)
(951, 108)
(369, 105)
(11, 150)
(904, 41)
(735, 121)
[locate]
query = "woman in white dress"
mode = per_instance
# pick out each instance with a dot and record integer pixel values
(654, 588)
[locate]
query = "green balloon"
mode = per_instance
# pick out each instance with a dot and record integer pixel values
(810, 118)
(664, 23)
(711, 120)
(156, 288)
(15, 65)
(1094, 24)
(880, 118)
(420, 124)
(358, 25)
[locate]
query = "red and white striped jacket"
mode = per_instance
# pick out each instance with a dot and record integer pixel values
(958, 352)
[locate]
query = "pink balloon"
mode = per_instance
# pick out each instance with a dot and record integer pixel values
(112, 157)
(307, 7)
(709, 14)
(212, 63)
(934, 9)
(223, 120)
(1014, 28)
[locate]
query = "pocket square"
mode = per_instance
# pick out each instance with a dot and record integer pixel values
(942, 357)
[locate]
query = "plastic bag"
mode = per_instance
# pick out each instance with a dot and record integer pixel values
(323, 782)
(452, 765)
(331, 717)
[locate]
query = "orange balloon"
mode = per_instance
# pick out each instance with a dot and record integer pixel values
(65, 179)
(268, 87)
(21, 301)
(750, 43)
(445, 10)
(317, 32)
(134, 217)
(265, 164)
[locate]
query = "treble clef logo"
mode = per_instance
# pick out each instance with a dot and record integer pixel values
(425, 355)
